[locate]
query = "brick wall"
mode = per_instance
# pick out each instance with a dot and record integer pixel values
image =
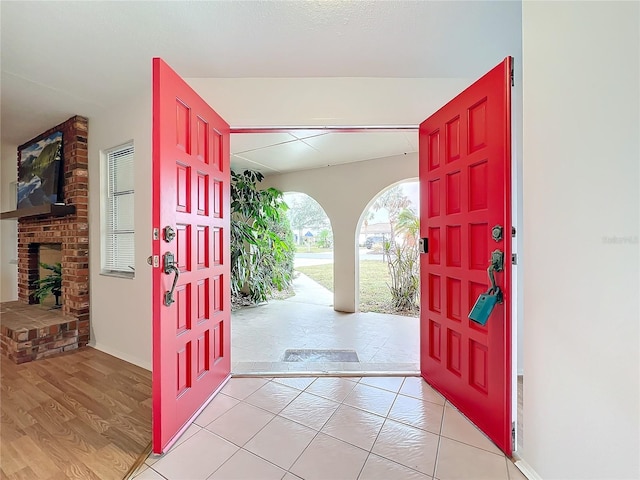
(71, 231)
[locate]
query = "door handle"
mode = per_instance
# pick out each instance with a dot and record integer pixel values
(170, 267)
(496, 265)
(487, 301)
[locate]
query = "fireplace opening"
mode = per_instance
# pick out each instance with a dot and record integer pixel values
(48, 287)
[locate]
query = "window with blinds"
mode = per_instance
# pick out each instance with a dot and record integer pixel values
(119, 228)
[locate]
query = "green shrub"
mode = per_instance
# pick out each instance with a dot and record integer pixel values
(262, 247)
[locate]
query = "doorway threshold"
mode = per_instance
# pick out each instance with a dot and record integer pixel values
(326, 369)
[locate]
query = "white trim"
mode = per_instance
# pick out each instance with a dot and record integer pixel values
(527, 470)
(122, 356)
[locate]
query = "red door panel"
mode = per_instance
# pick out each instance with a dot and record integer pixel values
(465, 178)
(191, 336)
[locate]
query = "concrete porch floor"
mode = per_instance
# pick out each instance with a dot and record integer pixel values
(260, 335)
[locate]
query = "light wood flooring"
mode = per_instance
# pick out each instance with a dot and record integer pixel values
(82, 415)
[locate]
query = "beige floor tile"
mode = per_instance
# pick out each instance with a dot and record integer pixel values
(329, 458)
(196, 458)
(148, 474)
(217, 407)
(417, 413)
(140, 469)
(416, 387)
(151, 459)
(354, 426)
(371, 399)
(409, 446)
(514, 472)
(188, 433)
(290, 476)
(246, 466)
(457, 427)
(378, 468)
(310, 410)
(392, 384)
(240, 423)
(273, 397)
(241, 388)
(299, 383)
(463, 462)
(335, 389)
(281, 442)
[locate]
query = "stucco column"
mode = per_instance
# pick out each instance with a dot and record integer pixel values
(345, 266)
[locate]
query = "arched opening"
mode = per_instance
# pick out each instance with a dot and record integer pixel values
(313, 260)
(389, 270)
(269, 337)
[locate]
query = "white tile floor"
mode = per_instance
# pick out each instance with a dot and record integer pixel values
(260, 335)
(330, 428)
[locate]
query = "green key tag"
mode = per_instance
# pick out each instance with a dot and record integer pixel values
(484, 306)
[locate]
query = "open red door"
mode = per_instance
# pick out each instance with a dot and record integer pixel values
(191, 295)
(465, 180)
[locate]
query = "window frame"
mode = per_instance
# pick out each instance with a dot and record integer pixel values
(108, 266)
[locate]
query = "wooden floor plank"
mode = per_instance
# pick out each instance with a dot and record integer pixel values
(34, 457)
(83, 415)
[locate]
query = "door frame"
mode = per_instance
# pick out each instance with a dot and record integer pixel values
(516, 193)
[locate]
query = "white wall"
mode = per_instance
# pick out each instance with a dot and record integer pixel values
(9, 227)
(246, 102)
(344, 191)
(581, 225)
(121, 315)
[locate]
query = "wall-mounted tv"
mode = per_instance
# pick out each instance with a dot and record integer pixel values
(40, 173)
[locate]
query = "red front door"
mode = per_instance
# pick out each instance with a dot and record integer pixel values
(191, 326)
(465, 178)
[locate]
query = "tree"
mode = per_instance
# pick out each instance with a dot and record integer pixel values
(324, 238)
(408, 224)
(393, 201)
(305, 213)
(261, 239)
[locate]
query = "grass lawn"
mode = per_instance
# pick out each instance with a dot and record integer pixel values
(374, 292)
(312, 249)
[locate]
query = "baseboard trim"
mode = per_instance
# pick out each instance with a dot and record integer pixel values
(526, 469)
(121, 356)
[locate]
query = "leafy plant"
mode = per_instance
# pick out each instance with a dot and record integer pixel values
(324, 238)
(404, 269)
(50, 285)
(261, 240)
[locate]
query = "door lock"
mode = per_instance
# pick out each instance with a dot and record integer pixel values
(169, 234)
(496, 233)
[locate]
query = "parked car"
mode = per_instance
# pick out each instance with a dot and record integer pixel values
(374, 240)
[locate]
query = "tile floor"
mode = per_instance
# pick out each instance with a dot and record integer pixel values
(262, 334)
(330, 428)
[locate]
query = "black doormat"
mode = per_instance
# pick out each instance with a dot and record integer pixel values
(312, 355)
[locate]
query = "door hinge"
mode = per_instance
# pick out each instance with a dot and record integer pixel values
(513, 82)
(513, 232)
(513, 435)
(514, 259)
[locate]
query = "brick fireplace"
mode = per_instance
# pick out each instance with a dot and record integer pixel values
(71, 232)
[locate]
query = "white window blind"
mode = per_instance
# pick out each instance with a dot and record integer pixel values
(119, 226)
